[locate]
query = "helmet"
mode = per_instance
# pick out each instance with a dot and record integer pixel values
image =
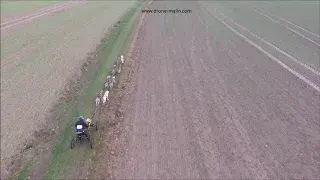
(88, 121)
(81, 118)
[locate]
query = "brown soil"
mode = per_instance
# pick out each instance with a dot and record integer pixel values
(199, 102)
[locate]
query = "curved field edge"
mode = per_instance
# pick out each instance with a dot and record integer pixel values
(55, 160)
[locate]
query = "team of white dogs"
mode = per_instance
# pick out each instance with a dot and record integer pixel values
(111, 80)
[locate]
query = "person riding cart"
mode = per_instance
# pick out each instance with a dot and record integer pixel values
(82, 126)
(82, 129)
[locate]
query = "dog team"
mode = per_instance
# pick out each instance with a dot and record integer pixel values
(110, 82)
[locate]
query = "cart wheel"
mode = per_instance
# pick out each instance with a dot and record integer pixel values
(97, 126)
(73, 141)
(90, 142)
(79, 139)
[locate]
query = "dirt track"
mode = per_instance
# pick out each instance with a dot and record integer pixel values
(206, 104)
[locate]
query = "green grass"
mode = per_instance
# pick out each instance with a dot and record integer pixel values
(24, 173)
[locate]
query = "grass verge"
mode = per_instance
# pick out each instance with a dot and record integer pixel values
(65, 161)
(24, 172)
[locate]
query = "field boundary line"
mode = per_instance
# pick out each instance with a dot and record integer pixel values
(273, 20)
(312, 69)
(38, 15)
(33, 14)
(318, 36)
(265, 52)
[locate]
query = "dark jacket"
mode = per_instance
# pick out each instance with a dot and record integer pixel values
(81, 125)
